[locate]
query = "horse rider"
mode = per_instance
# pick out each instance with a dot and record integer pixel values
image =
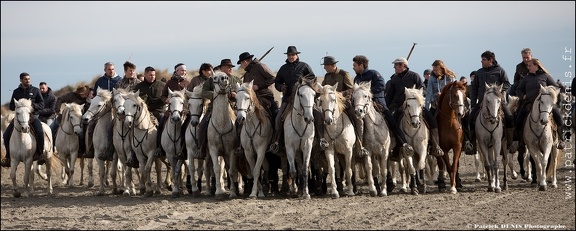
(334, 75)
(48, 113)
(286, 78)
(439, 78)
(108, 82)
(490, 73)
(528, 89)
(150, 90)
(27, 91)
(377, 86)
(80, 97)
(177, 82)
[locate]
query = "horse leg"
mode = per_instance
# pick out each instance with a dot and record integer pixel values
(114, 173)
(477, 164)
(81, 160)
(495, 169)
(540, 170)
(101, 172)
(553, 167)
(176, 164)
(90, 172)
(147, 176)
(218, 172)
(49, 160)
(192, 163)
(442, 166)
(292, 166)
(370, 176)
(13, 168)
(38, 170)
(260, 159)
(28, 178)
(506, 161)
(331, 172)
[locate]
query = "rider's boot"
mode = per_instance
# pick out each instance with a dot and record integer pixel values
(132, 161)
(6, 137)
(275, 146)
(561, 137)
(436, 150)
(512, 143)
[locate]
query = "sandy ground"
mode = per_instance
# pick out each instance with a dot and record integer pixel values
(520, 207)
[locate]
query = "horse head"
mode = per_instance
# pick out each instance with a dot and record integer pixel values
(455, 93)
(176, 104)
(221, 82)
(119, 96)
(99, 105)
(331, 102)
(362, 98)
(304, 97)
(243, 101)
(23, 115)
(491, 103)
(195, 104)
(413, 104)
(545, 102)
(72, 114)
(132, 108)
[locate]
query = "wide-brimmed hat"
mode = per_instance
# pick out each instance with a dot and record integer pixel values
(82, 89)
(401, 60)
(292, 50)
(329, 60)
(225, 62)
(243, 56)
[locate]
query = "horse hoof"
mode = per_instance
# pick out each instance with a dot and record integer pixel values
(148, 194)
(90, 184)
(514, 175)
(373, 193)
(175, 194)
(220, 197)
(169, 187)
(453, 191)
(497, 190)
(100, 193)
(490, 189)
(305, 197)
(17, 194)
(542, 188)
(477, 180)
(335, 195)
(196, 193)
(414, 192)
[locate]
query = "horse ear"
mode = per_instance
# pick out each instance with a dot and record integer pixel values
(335, 85)
(16, 102)
(188, 93)
(486, 84)
(356, 86)
(137, 93)
(170, 91)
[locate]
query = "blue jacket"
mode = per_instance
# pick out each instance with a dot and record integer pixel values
(435, 87)
(377, 84)
(32, 93)
(106, 82)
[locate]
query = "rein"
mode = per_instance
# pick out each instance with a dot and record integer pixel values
(67, 115)
(540, 111)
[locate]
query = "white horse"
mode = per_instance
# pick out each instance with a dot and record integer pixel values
(23, 147)
(100, 110)
(539, 137)
(417, 136)
(489, 130)
(256, 132)
(196, 167)
(122, 144)
(339, 133)
(67, 141)
(299, 134)
(172, 138)
(144, 132)
(222, 136)
(377, 138)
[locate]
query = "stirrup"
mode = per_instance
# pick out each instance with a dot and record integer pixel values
(409, 150)
(132, 163)
(469, 148)
(5, 162)
(159, 153)
(560, 144)
(324, 144)
(438, 152)
(274, 147)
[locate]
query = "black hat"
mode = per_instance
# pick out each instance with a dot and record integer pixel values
(473, 73)
(329, 60)
(427, 71)
(243, 56)
(225, 62)
(292, 50)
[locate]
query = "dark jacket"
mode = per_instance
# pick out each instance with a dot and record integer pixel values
(395, 93)
(377, 84)
(176, 83)
(521, 71)
(491, 75)
(106, 82)
(263, 78)
(49, 109)
(289, 74)
(342, 77)
(70, 97)
(32, 93)
(151, 93)
(530, 87)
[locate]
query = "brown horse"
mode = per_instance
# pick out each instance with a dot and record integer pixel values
(450, 111)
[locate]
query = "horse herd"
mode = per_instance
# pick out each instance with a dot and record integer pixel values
(248, 127)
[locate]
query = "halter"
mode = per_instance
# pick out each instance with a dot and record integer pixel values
(247, 110)
(410, 116)
(301, 106)
(540, 112)
(341, 117)
(406, 105)
(332, 111)
(489, 116)
(21, 123)
(100, 110)
(67, 116)
(450, 102)
(190, 113)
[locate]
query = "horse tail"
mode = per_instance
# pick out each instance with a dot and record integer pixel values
(55, 161)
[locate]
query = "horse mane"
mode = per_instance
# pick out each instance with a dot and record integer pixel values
(24, 102)
(340, 99)
(136, 98)
(104, 94)
(301, 82)
(366, 87)
(179, 94)
(261, 114)
(552, 90)
(412, 92)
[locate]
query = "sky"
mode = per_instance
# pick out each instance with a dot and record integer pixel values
(65, 43)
